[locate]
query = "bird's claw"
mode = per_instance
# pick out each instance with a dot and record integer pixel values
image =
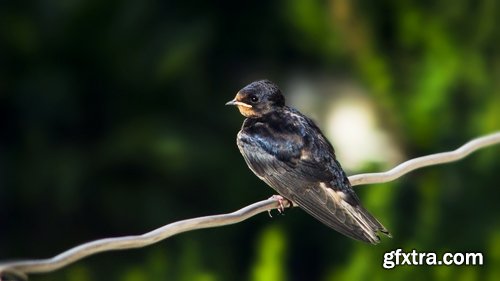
(281, 205)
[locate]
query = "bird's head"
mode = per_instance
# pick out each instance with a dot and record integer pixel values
(258, 98)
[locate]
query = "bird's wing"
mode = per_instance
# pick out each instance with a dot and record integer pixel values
(330, 207)
(316, 184)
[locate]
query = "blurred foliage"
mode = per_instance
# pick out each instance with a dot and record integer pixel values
(113, 124)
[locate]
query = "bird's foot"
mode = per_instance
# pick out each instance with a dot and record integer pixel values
(282, 202)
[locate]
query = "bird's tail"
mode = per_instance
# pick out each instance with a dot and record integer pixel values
(341, 211)
(373, 225)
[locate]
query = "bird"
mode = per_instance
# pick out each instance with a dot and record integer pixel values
(289, 152)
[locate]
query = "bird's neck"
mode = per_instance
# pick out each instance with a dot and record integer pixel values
(272, 119)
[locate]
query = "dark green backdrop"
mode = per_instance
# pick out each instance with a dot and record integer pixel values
(112, 123)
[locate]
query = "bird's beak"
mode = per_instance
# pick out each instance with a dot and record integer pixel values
(232, 102)
(238, 103)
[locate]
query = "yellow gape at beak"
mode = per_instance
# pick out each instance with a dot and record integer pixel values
(244, 108)
(238, 103)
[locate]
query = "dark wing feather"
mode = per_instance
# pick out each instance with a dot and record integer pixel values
(315, 183)
(329, 207)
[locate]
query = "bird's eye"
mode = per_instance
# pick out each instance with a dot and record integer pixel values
(254, 99)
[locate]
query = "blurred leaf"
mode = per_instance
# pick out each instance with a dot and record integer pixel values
(270, 262)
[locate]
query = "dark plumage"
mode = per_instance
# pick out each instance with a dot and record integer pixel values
(290, 153)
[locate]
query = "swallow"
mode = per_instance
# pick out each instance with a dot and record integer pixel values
(286, 150)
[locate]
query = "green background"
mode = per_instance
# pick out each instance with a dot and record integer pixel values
(113, 123)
